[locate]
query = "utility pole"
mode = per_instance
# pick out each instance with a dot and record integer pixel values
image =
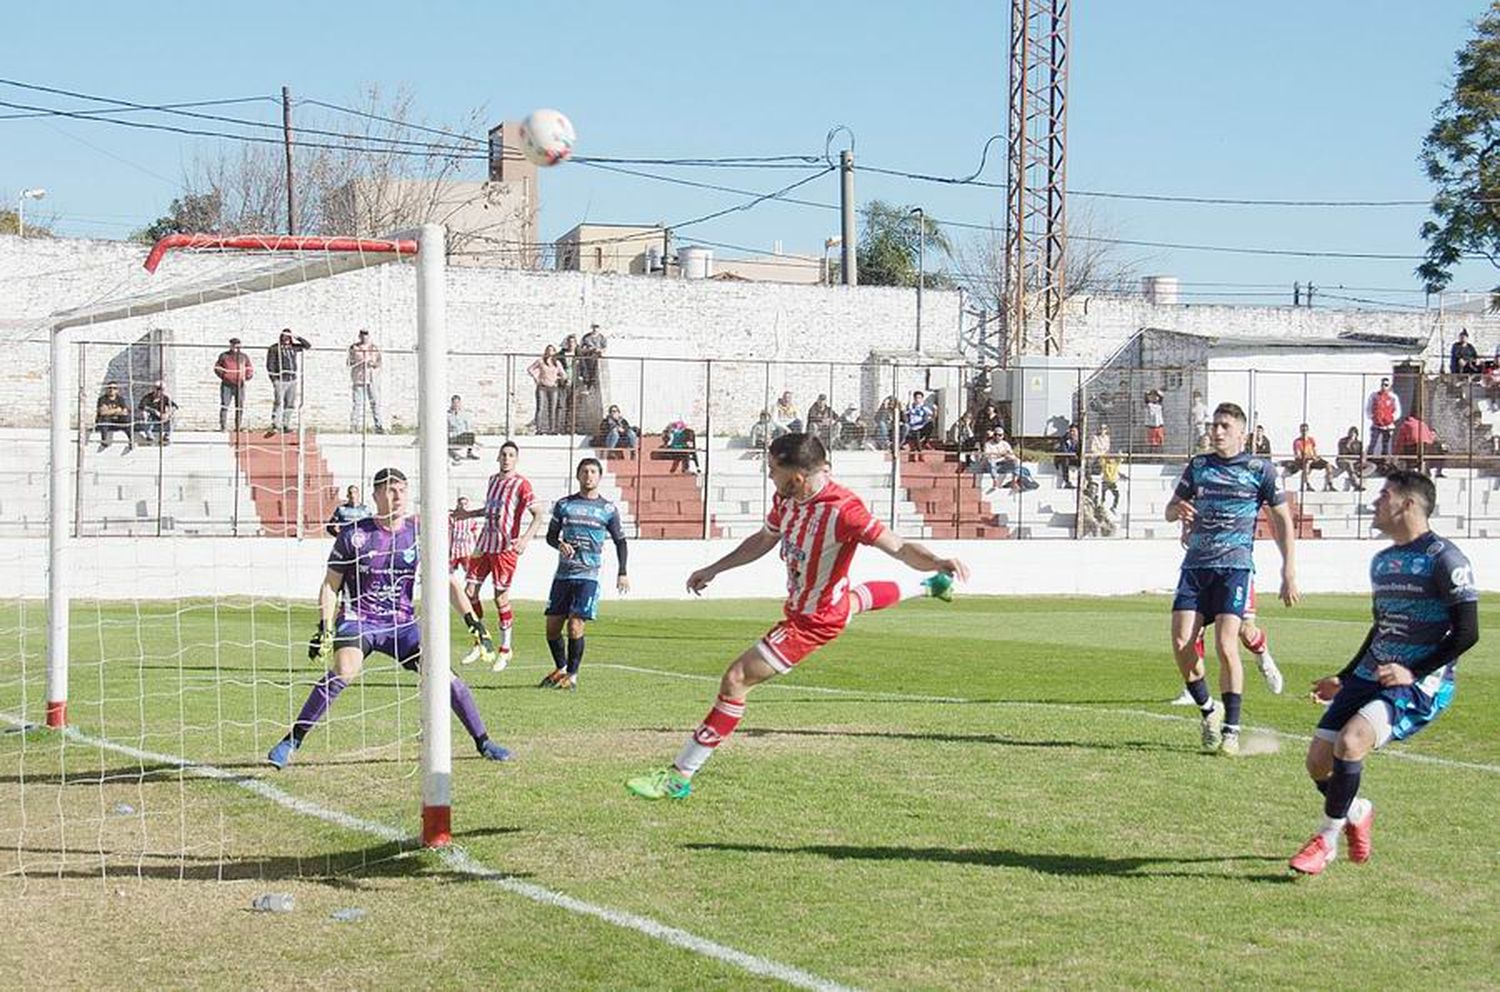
(1296, 294)
(666, 249)
(286, 140)
(921, 216)
(846, 212)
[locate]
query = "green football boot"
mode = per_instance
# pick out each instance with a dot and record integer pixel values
(939, 585)
(665, 783)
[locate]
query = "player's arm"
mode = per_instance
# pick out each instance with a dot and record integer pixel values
(320, 645)
(750, 549)
(1286, 542)
(1180, 506)
(1325, 688)
(617, 535)
(531, 528)
(919, 556)
(554, 536)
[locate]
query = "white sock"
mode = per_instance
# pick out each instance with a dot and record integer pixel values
(1330, 831)
(692, 757)
(505, 638)
(1358, 810)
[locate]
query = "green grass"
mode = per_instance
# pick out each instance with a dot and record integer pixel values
(1044, 831)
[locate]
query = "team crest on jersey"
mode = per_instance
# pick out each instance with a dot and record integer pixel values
(409, 555)
(1256, 464)
(1462, 577)
(1199, 461)
(1421, 566)
(358, 538)
(1436, 548)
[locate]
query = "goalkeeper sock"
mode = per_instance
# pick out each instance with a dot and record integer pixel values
(717, 726)
(464, 707)
(324, 692)
(575, 654)
(507, 619)
(555, 645)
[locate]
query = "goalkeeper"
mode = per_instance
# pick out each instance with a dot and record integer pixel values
(374, 566)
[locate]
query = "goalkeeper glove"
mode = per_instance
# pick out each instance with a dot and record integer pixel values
(481, 636)
(320, 646)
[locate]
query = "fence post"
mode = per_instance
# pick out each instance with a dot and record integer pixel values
(896, 421)
(708, 444)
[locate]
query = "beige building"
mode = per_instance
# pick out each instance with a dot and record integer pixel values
(803, 270)
(623, 248)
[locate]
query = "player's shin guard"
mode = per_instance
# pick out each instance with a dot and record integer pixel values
(467, 711)
(718, 725)
(869, 596)
(324, 692)
(575, 654)
(507, 620)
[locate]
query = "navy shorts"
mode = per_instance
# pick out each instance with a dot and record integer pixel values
(1409, 707)
(401, 641)
(1210, 592)
(573, 598)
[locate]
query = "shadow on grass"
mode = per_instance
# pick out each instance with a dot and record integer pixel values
(943, 737)
(924, 699)
(348, 869)
(159, 773)
(1050, 864)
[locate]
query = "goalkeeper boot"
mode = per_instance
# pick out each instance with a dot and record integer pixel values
(1272, 674)
(502, 659)
(281, 755)
(939, 585)
(665, 783)
(490, 751)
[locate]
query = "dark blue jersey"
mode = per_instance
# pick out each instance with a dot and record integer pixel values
(1413, 586)
(585, 524)
(1227, 494)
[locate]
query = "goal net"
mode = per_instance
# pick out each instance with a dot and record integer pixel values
(163, 544)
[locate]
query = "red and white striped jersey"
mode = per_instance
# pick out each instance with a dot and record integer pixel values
(818, 538)
(462, 536)
(508, 499)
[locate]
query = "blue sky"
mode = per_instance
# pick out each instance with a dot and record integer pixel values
(1269, 100)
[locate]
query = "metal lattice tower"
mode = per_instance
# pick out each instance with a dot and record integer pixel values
(1036, 216)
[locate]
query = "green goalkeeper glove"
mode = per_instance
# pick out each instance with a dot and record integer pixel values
(320, 646)
(481, 636)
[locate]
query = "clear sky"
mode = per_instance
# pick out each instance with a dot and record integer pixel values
(1278, 99)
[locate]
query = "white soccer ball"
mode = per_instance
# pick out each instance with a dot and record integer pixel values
(547, 137)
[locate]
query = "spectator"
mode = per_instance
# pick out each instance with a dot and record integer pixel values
(784, 417)
(283, 367)
(1099, 446)
(854, 433)
(987, 417)
(1109, 480)
(998, 459)
(1351, 460)
(550, 376)
(1492, 382)
(346, 513)
(234, 369)
(1305, 459)
(1383, 409)
(364, 361)
(154, 413)
(762, 432)
(820, 420)
(961, 437)
(1066, 459)
(1156, 423)
(920, 423)
(682, 444)
(1258, 443)
(590, 351)
(111, 414)
(460, 431)
(1463, 359)
(1200, 416)
(567, 354)
(1093, 519)
(615, 431)
(1416, 441)
(886, 421)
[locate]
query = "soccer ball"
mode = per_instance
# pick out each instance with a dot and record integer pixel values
(547, 137)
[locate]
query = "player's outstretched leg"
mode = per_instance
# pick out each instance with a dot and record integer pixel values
(1255, 641)
(323, 693)
(880, 595)
(464, 707)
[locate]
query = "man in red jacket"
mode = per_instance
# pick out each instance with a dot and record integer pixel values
(234, 370)
(1384, 409)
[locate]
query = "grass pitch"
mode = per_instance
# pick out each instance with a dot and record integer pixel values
(991, 793)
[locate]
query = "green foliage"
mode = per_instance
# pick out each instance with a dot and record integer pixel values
(889, 244)
(10, 224)
(1459, 155)
(194, 213)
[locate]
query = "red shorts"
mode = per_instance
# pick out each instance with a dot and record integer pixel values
(499, 565)
(1156, 436)
(798, 636)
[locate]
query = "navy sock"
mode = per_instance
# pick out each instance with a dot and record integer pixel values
(1198, 689)
(1232, 702)
(555, 645)
(575, 654)
(1343, 786)
(1322, 785)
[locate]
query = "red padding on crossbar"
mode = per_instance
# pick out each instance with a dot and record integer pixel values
(275, 242)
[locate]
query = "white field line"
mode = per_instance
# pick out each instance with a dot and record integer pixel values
(461, 861)
(902, 697)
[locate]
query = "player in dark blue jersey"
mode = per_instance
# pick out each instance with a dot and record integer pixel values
(365, 606)
(1219, 498)
(1426, 611)
(580, 525)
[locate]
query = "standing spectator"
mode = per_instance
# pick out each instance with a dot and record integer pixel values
(460, 431)
(567, 355)
(820, 420)
(1383, 409)
(1351, 460)
(998, 459)
(761, 431)
(1305, 459)
(1100, 445)
(1200, 416)
(112, 414)
(463, 536)
(364, 361)
(350, 510)
(283, 366)
(1258, 443)
(1109, 481)
(234, 369)
(154, 414)
(1066, 459)
(961, 437)
(615, 431)
(920, 425)
(549, 374)
(1156, 422)
(987, 417)
(1463, 359)
(784, 417)
(590, 351)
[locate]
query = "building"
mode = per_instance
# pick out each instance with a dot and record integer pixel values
(626, 249)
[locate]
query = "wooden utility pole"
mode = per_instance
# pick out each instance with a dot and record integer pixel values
(286, 140)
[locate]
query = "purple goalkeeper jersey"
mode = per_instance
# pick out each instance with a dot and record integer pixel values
(379, 567)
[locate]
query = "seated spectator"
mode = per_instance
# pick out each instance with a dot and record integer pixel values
(1257, 443)
(784, 417)
(1415, 441)
(853, 432)
(987, 417)
(681, 445)
(154, 415)
(615, 431)
(1305, 459)
(460, 432)
(921, 424)
(762, 432)
(112, 414)
(820, 420)
(1093, 519)
(1066, 459)
(1463, 359)
(887, 420)
(961, 437)
(1351, 460)
(998, 459)
(347, 512)
(1491, 381)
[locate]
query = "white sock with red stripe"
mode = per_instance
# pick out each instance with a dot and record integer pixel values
(717, 726)
(879, 595)
(507, 618)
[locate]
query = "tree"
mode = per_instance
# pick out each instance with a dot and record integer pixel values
(888, 246)
(10, 223)
(193, 213)
(1459, 155)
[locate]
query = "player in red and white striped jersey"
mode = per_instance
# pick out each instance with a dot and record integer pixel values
(501, 542)
(817, 524)
(463, 533)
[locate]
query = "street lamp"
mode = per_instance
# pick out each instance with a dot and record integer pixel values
(827, 244)
(26, 194)
(921, 217)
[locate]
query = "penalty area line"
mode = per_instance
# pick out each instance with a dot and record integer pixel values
(459, 860)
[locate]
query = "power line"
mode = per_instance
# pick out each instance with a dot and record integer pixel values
(156, 107)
